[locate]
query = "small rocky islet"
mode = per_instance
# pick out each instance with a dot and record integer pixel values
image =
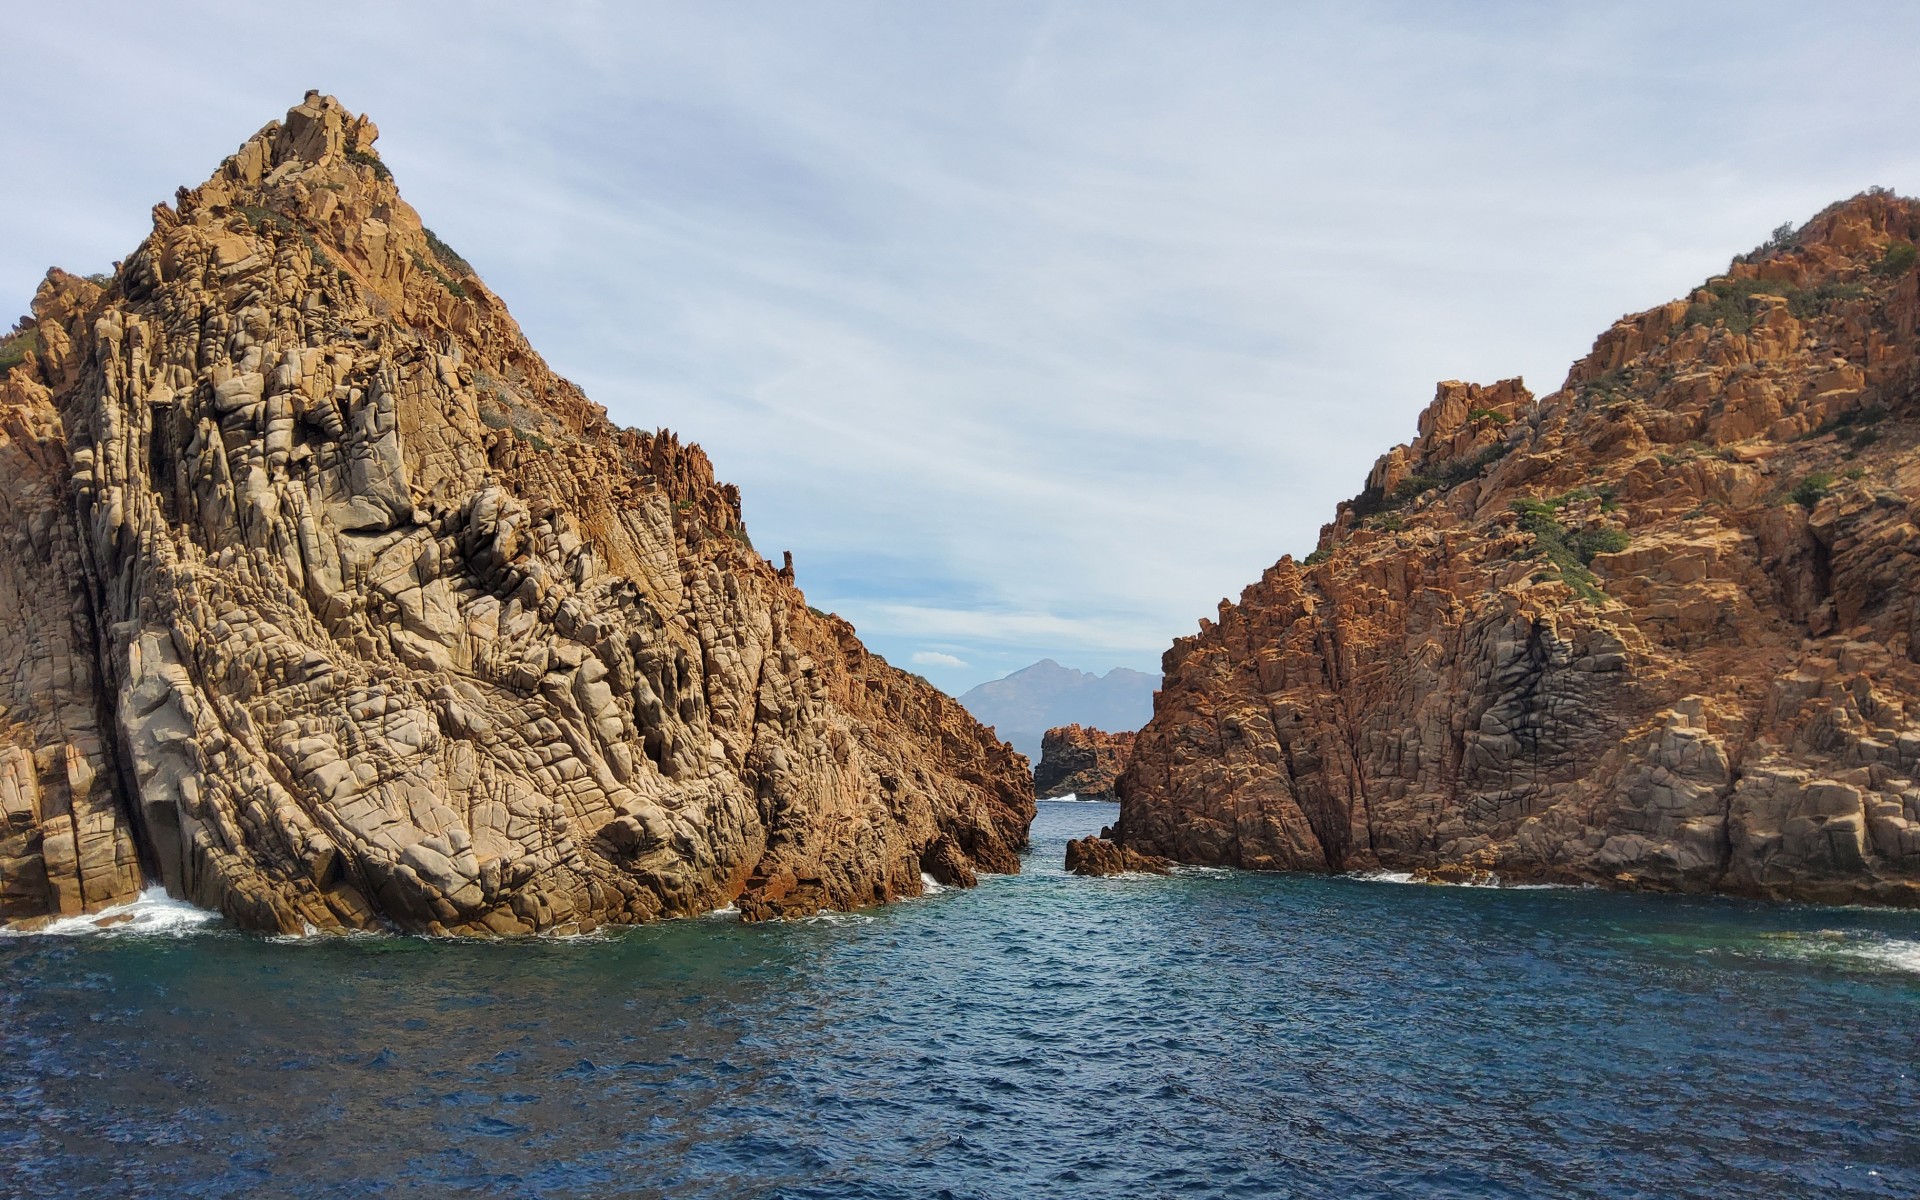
(1080, 761)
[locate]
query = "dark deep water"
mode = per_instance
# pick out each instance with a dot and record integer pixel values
(1212, 1034)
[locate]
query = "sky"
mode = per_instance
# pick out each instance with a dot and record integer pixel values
(1031, 329)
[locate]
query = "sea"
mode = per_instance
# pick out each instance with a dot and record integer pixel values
(1210, 1033)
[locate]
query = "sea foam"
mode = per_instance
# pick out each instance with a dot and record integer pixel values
(1492, 881)
(152, 913)
(1846, 949)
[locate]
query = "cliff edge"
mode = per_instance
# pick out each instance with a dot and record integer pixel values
(331, 606)
(1659, 629)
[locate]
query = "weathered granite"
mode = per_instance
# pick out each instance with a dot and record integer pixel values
(1659, 629)
(332, 606)
(1079, 761)
(1103, 856)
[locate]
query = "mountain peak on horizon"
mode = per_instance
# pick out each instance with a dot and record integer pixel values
(1053, 666)
(1022, 705)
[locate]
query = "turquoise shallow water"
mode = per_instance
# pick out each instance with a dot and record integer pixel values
(1213, 1034)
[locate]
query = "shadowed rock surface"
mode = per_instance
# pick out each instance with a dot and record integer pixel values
(330, 606)
(1079, 761)
(1658, 629)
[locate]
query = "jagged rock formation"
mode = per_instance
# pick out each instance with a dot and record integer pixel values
(1659, 629)
(331, 605)
(1103, 856)
(1076, 760)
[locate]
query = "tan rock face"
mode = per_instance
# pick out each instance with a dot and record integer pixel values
(1076, 760)
(1102, 856)
(1659, 629)
(332, 606)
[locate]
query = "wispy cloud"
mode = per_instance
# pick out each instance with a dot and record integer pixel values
(1101, 634)
(1032, 329)
(934, 658)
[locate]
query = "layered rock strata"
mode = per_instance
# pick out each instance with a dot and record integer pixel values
(1659, 629)
(1076, 760)
(332, 606)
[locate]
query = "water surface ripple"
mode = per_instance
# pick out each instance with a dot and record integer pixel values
(1211, 1034)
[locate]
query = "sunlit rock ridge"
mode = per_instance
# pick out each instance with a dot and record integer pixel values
(1657, 629)
(331, 606)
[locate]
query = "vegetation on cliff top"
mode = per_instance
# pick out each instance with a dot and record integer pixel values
(1441, 476)
(1728, 301)
(15, 347)
(448, 256)
(371, 161)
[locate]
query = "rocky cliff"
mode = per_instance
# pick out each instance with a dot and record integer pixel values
(1658, 629)
(332, 606)
(1079, 761)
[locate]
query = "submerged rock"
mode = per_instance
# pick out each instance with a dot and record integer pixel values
(1076, 760)
(1659, 629)
(332, 606)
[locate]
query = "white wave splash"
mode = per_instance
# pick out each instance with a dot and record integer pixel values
(931, 886)
(1899, 953)
(152, 913)
(1382, 876)
(1847, 949)
(1492, 881)
(830, 916)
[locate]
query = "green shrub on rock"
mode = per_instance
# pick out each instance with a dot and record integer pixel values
(1810, 491)
(1570, 551)
(1898, 260)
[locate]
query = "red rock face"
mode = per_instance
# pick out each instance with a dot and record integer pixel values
(1079, 761)
(332, 606)
(1658, 629)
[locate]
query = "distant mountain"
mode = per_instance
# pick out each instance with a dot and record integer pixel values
(1032, 700)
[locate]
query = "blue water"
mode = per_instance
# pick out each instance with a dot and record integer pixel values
(1211, 1034)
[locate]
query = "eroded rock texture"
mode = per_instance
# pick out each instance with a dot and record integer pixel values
(330, 605)
(1076, 760)
(1103, 856)
(1658, 629)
